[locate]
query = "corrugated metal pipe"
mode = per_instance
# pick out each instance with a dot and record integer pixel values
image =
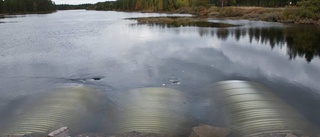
(254, 111)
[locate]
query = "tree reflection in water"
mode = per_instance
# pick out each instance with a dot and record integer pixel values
(300, 40)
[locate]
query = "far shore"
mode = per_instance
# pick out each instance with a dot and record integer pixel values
(235, 13)
(231, 12)
(24, 13)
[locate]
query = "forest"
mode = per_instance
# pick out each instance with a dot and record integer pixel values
(169, 5)
(298, 11)
(293, 11)
(72, 7)
(26, 6)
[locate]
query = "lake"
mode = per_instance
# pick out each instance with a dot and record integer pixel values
(105, 51)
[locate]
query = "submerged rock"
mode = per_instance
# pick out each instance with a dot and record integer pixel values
(209, 131)
(140, 134)
(127, 134)
(97, 78)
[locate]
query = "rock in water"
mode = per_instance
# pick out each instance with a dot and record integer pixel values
(61, 132)
(209, 131)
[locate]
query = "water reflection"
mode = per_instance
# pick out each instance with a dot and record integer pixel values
(173, 22)
(76, 47)
(301, 41)
(201, 24)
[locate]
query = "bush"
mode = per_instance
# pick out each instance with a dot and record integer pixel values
(251, 16)
(306, 14)
(213, 11)
(231, 12)
(308, 11)
(270, 17)
(289, 14)
(201, 11)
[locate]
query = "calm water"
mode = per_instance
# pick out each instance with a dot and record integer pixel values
(41, 52)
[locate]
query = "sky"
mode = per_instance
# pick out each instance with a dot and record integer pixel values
(77, 1)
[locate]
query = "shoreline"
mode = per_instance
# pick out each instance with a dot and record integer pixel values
(232, 12)
(236, 13)
(25, 13)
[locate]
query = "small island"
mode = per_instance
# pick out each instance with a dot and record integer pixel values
(172, 22)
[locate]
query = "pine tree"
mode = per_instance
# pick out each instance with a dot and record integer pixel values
(1, 6)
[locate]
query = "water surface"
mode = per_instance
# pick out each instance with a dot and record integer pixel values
(104, 51)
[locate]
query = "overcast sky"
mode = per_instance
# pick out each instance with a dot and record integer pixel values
(77, 1)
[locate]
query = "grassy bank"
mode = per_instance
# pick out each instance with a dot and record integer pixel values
(251, 13)
(285, 14)
(282, 14)
(303, 11)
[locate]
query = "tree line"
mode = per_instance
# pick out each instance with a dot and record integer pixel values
(72, 7)
(26, 6)
(169, 5)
